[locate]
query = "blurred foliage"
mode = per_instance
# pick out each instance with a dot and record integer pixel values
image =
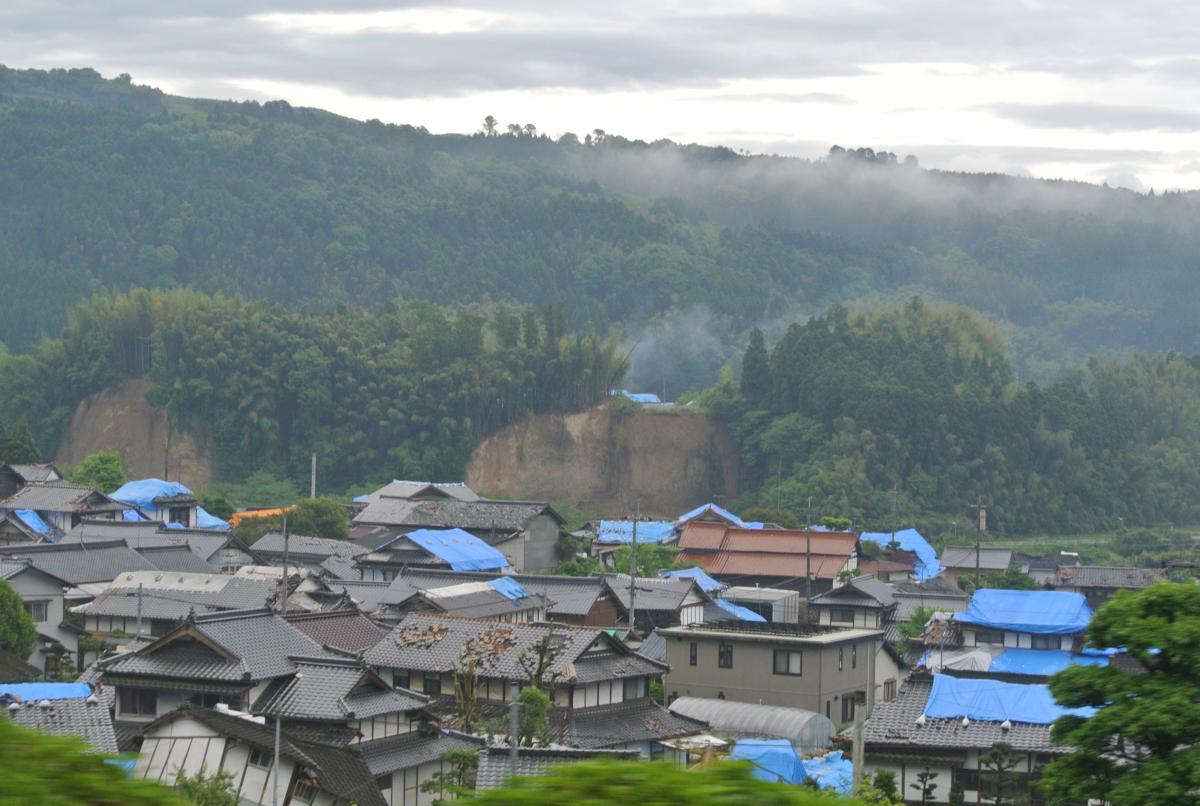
(18, 633)
(102, 470)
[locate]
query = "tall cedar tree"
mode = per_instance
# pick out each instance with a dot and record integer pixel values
(1143, 744)
(19, 446)
(756, 370)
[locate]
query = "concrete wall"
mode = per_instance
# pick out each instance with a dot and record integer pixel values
(540, 541)
(820, 687)
(866, 617)
(1021, 640)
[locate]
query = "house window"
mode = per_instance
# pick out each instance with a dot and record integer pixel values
(633, 688)
(725, 655)
(38, 610)
(211, 700)
(841, 658)
(1045, 642)
(304, 792)
(432, 684)
(692, 652)
(789, 661)
(889, 690)
(179, 515)
(854, 656)
(967, 780)
(989, 637)
(260, 758)
(401, 678)
(847, 707)
(138, 701)
(841, 615)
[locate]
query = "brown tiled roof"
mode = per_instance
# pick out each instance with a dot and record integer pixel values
(720, 549)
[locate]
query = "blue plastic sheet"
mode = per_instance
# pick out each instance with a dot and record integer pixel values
(995, 701)
(461, 550)
(737, 610)
(141, 493)
(1041, 661)
(132, 515)
(647, 531)
(638, 397)
(831, 771)
(34, 521)
(709, 507)
(1042, 612)
(34, 692)
(206, 521)
(509, 587)
(927, 566)
(773, 759)
(705, 582)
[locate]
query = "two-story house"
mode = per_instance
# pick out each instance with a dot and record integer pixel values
(801, 666)
(961, 563)
(869, 603)
(599, 687)
(60, 505)
(15, 476)
(451, 549)
(769, 558)
(42, 596)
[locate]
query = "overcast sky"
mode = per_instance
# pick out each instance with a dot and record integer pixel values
(1087, 89)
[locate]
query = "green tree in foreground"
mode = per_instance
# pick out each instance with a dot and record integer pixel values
(17, 631)
(651, 559)
(60, 771)
(102, 470)
(533, 721)
(604, 782)
(456, 778)
(1143, 744)
(18, 445)
(926, 785)
(207, 790)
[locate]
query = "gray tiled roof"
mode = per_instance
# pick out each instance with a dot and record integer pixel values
(334, 690)
(655, 647)
(104, 530)
(865, 591)
(436, 643)
(495, 768)
(484, 604)
(261, 643)
(1108, 576)
(163, 598)
(652, 593)
(894, 724)
(175, 558)
(58, 496)
(346, 629)
(339, 567)
(87, 718)
(33, 473)
(340, 771)
(426, 489)
(439, 513)
(990, 558)
(631, 721)
(303, 546)
(370, 596)
(78, 564)
(568, 596)
(138, 535)
(412, 749)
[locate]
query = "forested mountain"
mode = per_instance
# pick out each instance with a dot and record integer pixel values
(108, 185)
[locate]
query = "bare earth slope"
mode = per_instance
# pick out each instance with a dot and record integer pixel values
(602, 461)
(119, 418)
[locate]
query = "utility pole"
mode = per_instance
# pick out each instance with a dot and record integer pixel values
(312, 483)
(633, 568)
(139, 611)
(980, 526)
(895, 495)
(275, 767)
(283, 581)
(856, 775)
(513, 728)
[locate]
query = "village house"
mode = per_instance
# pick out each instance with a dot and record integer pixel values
(599, 687)
(806, 666)
(498, 599)
(934, 594)
(61, 709)
(221, 550)
(656, 602)
(773, 604)
(868, 603)
(948, 725)
(42, 596)
(345, 629)
(527, 532)
(773, 558)
(452, 549)
(1099, 583)
(15, 476)
(323, 555)
(959, 562)
(59, 505)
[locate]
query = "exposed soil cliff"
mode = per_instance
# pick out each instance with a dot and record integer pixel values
(119, 419)
(604, 461)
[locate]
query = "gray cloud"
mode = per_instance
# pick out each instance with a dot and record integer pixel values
(1098, 117)
(778, 97)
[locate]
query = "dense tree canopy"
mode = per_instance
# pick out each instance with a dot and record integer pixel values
(18, 633)
(1143, 744)
(103, 470)
(918, 408)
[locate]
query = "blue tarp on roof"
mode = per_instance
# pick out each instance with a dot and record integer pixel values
(141, 493)
(647, 531)
(709, 507)
(773, 759)
(831, 771)
(45, 691)
(361, 499)
(911, 540)
(1041, 661)
(705, 582)
(34, 521)
(637, 397)
(509, 587)
(206, 521)
(1042, 612)
(462, 550)
(737, 610)
(994, 701)
(132, 515)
